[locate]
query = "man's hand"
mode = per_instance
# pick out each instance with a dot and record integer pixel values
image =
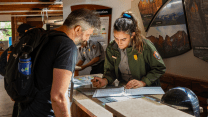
(99, 82)
(135, 84)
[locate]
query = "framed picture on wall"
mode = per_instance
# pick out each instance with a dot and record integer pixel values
(197, 17)
(168, 30)
(148, 8)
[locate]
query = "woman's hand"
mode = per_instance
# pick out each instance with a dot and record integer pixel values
(99, 82)
(135, 84)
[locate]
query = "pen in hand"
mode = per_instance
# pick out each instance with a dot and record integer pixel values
(124, 88)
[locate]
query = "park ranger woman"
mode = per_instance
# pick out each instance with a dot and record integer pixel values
(130, 58)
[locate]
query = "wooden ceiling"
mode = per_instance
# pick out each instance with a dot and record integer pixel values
(31, 8)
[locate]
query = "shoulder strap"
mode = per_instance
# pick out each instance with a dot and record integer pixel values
(46, 37)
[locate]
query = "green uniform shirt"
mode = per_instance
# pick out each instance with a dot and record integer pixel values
(147, 66)
(124, 66)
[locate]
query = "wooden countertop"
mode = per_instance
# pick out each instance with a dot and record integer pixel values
(90, 107)
(142, 107)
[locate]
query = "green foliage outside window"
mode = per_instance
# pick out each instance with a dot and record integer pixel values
(5, 31)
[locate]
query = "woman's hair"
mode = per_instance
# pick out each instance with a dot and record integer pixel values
(128, 24)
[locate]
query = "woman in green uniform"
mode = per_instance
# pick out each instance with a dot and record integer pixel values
(130, 58)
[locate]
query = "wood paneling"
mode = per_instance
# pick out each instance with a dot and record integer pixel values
(31, 13)
(14, 22)
(24, 0)
(36, 24)
(76, 111)
(17, 7)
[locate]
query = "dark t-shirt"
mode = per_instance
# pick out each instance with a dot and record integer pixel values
(60, 52)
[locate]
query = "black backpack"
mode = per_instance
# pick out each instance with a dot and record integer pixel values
(3, 60)
(20, 87)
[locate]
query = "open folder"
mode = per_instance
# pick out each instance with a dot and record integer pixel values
(111, 92)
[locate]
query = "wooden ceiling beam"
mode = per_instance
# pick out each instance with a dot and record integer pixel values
(35, 15)
(25, 1)
(21, 9)
(28, 13)
(45, 18)
(30, 6)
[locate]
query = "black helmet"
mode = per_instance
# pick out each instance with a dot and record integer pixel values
(183, 99)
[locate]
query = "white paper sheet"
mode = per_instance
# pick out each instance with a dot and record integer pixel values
(109, 92)
(113, 92)
(144, 90)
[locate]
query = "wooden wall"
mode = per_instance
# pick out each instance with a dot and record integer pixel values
(16, 21)
(198, 86)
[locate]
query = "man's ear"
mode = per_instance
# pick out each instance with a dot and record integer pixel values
(78, 30)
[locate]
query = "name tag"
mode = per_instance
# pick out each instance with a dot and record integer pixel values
(114, 57)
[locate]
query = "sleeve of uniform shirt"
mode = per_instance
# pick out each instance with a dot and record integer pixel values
(66, 55)
(97, 49)
(80, 55)
(152, 57)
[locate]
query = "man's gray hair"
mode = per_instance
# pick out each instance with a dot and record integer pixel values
(84, 18)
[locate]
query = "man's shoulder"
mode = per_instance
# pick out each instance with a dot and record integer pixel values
(63, 40)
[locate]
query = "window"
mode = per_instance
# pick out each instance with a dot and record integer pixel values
(5, 30)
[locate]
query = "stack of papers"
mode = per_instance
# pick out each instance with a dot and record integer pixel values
(83, 80)
(113, 92)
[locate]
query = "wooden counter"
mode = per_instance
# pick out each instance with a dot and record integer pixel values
(143, 107)
(86, 106)
(83, 106)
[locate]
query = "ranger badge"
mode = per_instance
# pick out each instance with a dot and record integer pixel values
(156, 55)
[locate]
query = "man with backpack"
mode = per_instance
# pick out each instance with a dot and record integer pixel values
(51, 58)
(22, 29)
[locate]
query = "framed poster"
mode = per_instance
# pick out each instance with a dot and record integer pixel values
(168, 30)
(197, 17)
(148, 9)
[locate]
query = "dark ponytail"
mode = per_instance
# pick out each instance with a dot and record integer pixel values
(128, 24)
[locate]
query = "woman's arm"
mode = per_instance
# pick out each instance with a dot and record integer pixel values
(152, 57)
(109, 68)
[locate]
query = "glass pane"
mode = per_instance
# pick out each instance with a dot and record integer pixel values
(5, 25)
(5, 34)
